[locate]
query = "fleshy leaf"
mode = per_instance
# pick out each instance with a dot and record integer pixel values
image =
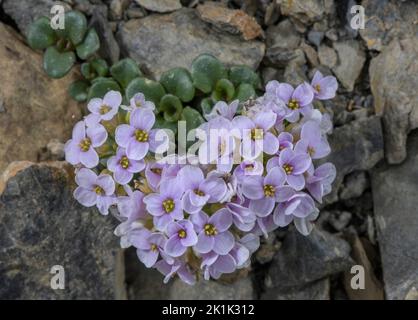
(206, 105)
(89, 46)
(58, 64)
(206, 71)
(100, 67)
(101, 86)
(224, 90)
(125, 71)
(75, 27)
(152, 90)
(41, 35)
(171, 107)
(244, 92)
(179, 82)
(244, 74)
(78, 90)
(192, 117)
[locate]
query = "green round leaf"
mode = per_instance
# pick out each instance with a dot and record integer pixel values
(179, 82)
(244, 74)
(78, 90)
(58, 64)
(224, 90)
(75, 27)
(161, 123)
(206, 105)
(152, 90)
(171, 107)
(125, 71)
(192, 117)
(101, 86)
(41, 35)
(245, 91)
(89, 46)
(206, 71)
(87, 71)
(100, 67)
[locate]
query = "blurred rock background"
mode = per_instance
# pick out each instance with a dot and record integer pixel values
(371, 217)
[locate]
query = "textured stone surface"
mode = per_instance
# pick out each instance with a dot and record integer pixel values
(351, 58)
(162, 42)
(305, 11)
(355, 146)
(160, 5)
(318, 290)
(36, 108)
(304, 259)
(388, 20)
(228, 20)
(41, 225)
(394, 82)
(395, 207)
(24, 12)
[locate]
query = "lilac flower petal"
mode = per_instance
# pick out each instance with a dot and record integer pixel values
(136, 166)
(187, 205)
(296, 181)
(158, 141)
(122, 176)
(280, 218)
(197, 200)
(272, 162)
(252, 187)
(265, 120)
(103, 204)
(190, 240)
(275, 177)
(86, 178)
(322, 149)
(86, 197)
(285, 92)
(328, 87)
(199, 220)
(270, 143)
(137, 150)
(284, 193)
(113, 99)
(161, 222)
(204, 243)
(262, 207)
(251, 242)
(301, 163)
(225, 264)
(106, 182)
(214, 187)
(222, 220)
(242, 122)
(190, 177)
(174, 247)
(113, 163)
(95, 105)
(89, 158)
(224, 242)
(139, 239)
(303, 94)
(153, 203)
(147, 257)
(142, 119)
(72, 152)
(124, 134)
(285, 156)
(97, 135)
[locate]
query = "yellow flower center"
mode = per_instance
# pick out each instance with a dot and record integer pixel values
(154, 247)
(182, 234)
(293, 104)
(288, 168)
(99, 190)
(138, 103)
(269, 190)
(210, 230)
(256, 134)
(311, 151)
(141, 135)
(199, 192)
(104, 109)
(249, 167)
(124, 162)
(318, 87)
(168, 205)
(157, 171)
(85, 145)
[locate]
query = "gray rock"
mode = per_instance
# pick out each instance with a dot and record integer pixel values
(161, 42)
(109, 48)
(24, 12)
(327, 56)
(310, 53)
(283, 36)
(354, 185)
(388, 20)
(304, 259)
(304, 11)
(351, 58)
(315, 37)
(355, 146)
(41, 225)
(394, 81)
(340, 219)
(160, 5)
(242, 289)
(318, 290)
(395, 208)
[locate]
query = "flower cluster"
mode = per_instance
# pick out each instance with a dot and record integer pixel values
(254, 172)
